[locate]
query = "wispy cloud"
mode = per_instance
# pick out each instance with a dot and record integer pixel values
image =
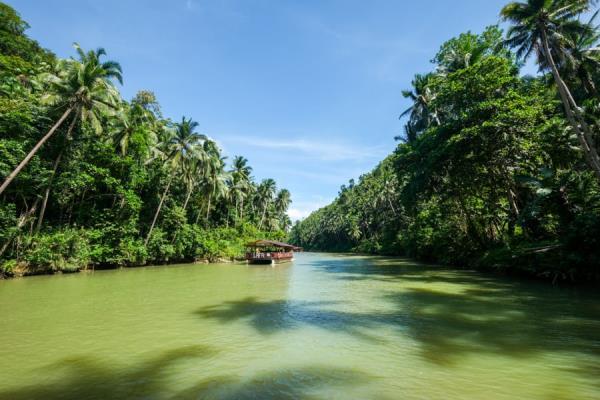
(323, 150)
(301, 210)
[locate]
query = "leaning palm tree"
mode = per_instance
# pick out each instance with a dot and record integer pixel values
(536, 26)
(180, 149)
(85, 86)
(81, 87)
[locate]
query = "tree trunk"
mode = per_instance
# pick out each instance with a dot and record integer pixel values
(208, 206)
(574, 116)
(198, 214)
(237, 212)
(262, 217)
(20, 223)
(35, 149)
(185, 203)
(160, 204)
(392, 206)
(54, 169)
(208, 209)
(187, 199)
(514, 211)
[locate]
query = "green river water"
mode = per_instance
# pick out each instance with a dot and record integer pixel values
(322, 327)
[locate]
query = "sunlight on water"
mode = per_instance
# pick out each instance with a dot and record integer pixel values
(322, 327)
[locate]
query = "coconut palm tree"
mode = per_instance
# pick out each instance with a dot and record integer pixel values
(265, 193)
(237, 192)
(133, 121)
(536, 26)
(241, 178)
(178, 152)
(584, 56)
(421, 113)
(87, 85)
(283, 201)
(216, 179)
(81, 87)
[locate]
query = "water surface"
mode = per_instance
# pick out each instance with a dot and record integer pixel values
(323, 327)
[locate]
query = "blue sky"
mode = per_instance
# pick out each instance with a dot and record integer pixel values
(308, 91)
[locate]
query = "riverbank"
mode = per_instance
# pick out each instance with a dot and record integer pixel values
(543, 262)
(73, 250)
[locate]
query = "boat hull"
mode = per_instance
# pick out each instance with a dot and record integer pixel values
(264, 259)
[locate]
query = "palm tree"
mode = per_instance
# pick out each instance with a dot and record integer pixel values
(133, 121)
(87, 85)
(536, 24)
(237, 193)
(216, 179)
(584, 56)
(283, 201)
(178, 152)
(421, 113)
(81, 87)
(240, 173)
(193, 175)
(265, 192)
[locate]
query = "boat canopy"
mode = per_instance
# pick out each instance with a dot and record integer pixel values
(273, 243)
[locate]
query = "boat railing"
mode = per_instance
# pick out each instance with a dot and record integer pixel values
(269, 255)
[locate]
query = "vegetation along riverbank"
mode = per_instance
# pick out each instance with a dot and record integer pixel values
(94, 180)
(494, 169)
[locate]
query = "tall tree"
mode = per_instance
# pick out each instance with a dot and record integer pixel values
(81, 87)
(241, 179)
(421, 112)
(536, 26)
(265, 193)
(179, 151)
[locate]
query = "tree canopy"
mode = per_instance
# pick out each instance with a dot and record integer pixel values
(495, 169)
(90, 179)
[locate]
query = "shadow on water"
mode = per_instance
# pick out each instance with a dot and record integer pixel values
(84, 378)
(269, 317)
(449, 313)
(296, 383)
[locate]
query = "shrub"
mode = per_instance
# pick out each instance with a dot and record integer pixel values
(66, 250)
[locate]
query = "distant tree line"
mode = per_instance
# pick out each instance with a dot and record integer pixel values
(494, 169)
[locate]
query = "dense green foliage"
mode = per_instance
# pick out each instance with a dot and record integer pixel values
(111, 182)
(495, 169)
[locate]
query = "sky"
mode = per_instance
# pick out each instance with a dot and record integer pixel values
(309, 91)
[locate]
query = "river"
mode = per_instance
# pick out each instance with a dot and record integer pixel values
(322, 327)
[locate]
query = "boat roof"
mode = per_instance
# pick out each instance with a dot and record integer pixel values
(272, 243)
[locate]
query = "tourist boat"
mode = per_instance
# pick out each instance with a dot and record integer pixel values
(270, 252)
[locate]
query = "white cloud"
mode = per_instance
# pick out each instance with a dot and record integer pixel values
(329, 151)
(296, 214)
(301, 210)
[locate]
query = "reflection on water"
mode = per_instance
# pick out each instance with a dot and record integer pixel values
(323, 327)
